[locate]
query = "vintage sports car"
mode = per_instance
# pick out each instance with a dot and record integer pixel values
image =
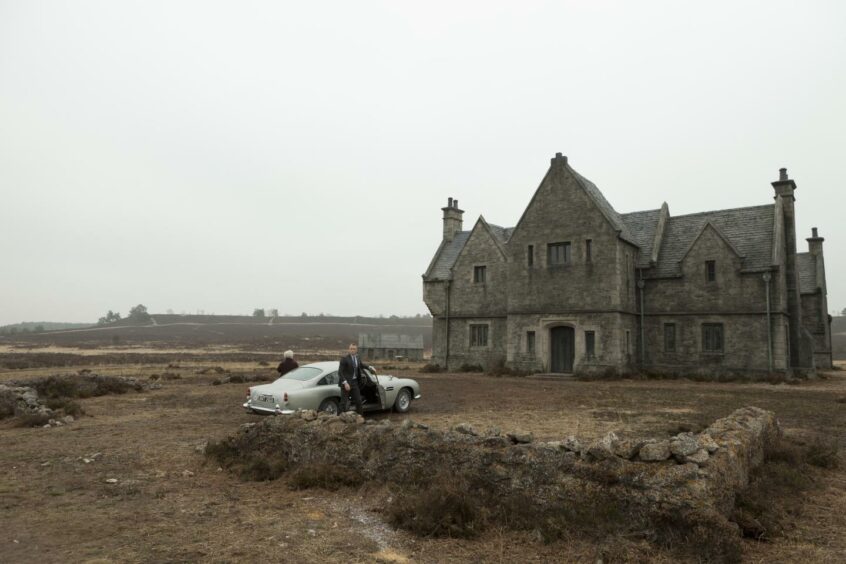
(315, 386)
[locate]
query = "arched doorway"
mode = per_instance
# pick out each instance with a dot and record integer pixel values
(562, 341)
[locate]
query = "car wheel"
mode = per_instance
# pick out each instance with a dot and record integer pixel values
(403, 401)
(329, 406)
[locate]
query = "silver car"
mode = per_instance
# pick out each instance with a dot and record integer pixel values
(315, 386)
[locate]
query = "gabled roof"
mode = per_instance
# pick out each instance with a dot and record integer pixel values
(441, 267)
(642, 226)
(607, 209)
(720, 234)
(748, 230)
(807, 268)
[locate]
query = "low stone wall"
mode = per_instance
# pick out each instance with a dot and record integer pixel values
(688, 479)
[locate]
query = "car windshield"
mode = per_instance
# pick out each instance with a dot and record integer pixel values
(302, 374)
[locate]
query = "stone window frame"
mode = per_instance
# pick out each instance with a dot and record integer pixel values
(533, 349)
(722, 338)
(477, 269)
(675, 347)
(590, 354)
(473, 324)
(710, 271)
(567, 247)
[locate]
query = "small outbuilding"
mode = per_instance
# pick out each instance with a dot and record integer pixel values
(390, 346)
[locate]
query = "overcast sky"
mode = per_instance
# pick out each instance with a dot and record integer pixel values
(223, 156)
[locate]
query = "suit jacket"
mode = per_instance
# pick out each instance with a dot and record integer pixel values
(347, 372)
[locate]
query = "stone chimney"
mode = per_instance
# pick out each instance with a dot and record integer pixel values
(558, 159)
(453, 219)
(815, 243)
(784, 186)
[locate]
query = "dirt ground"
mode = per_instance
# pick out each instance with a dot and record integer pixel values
(170, 505)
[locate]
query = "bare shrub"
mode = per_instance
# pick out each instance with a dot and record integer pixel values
(33, 420)
(823, 454)
(431, 369)
(445, 508)
(323, 475)
(67, 406)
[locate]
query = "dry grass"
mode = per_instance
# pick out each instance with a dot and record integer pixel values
(60, 508)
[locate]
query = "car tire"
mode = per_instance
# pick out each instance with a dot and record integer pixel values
(329, 405)
(403, 402)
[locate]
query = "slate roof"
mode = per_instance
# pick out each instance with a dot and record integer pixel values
(807, 268)
(607, 209)
(641, 227)
(442, 265)
(749, 230)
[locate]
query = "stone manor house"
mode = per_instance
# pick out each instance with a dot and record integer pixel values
(577, 287)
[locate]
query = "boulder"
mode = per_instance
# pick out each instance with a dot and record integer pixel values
(604, 447)
(654, 451)
(628, 448)
(465, 429)
(683, 444)
(700, 457)
(707, 442)
(308, 415)
(572, 444)
(520, 437)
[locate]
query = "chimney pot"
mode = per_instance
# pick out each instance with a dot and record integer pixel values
(449, 202)
(782, 174)
(455, 204)
(815, 232)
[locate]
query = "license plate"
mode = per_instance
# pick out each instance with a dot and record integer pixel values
(266, 399)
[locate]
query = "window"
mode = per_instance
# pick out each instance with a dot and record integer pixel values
(530, 342)
(330, 379)
(479, 274)
(669, 337)
(478, 335)
(590, 344)
(628, 342)
(530, 256)
(712, 337)
(588, 250)
(558, 254)
(710, 270)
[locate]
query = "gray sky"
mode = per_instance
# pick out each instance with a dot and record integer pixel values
(229, 155)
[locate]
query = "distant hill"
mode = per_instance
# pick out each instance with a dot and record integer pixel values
(39, 326)
(272, 334)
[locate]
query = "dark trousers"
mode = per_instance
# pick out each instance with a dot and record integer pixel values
(355, 393)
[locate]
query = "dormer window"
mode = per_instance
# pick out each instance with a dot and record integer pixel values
(710, 270)
(480, 274)
(558, 254)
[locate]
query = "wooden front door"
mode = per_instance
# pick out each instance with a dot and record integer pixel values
(562, 342)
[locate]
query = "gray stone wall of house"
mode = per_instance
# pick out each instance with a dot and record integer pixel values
(696, 271)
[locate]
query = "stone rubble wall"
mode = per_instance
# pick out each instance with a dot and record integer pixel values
(668, 476)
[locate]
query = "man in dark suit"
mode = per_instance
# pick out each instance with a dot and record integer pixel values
(349, 373)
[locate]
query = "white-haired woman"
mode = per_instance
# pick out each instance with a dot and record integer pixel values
(287, 364)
